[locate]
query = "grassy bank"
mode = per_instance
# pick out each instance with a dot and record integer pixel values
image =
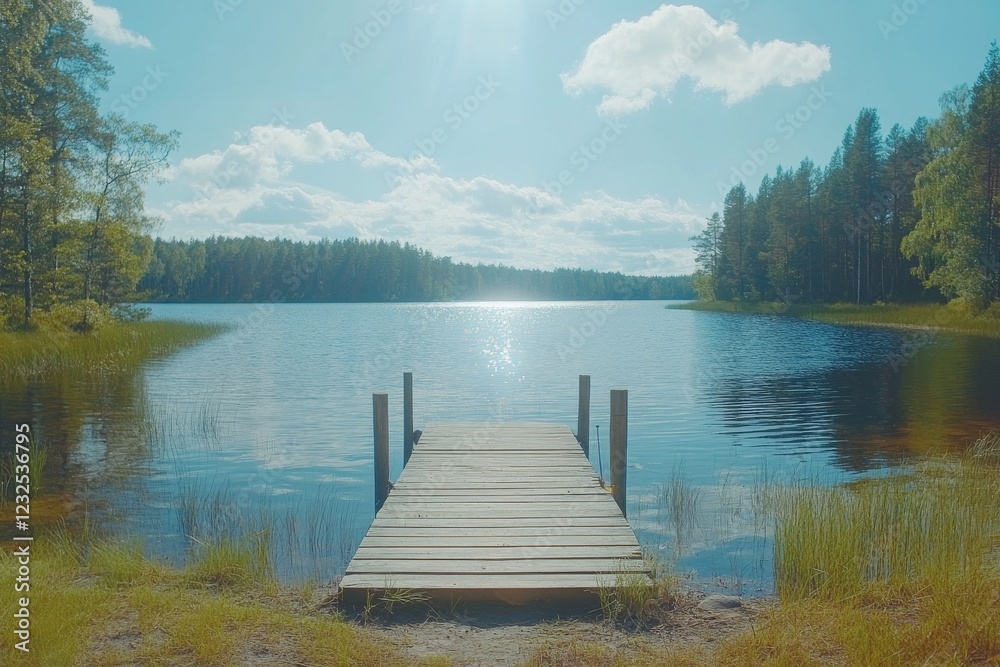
(915, 316)
(106, 604)
(900, 570)
(114, 347)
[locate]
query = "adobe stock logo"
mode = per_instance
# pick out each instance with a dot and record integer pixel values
(562, 12)
(786, 127)
(365, 34)
(900, 16)
(132, 99)
(582, 158)
(455, 116)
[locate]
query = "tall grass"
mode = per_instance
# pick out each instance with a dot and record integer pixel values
(638, 597)
(679, 505)
(314, 537)
(234, 561)
(937, 524)
(113, 348)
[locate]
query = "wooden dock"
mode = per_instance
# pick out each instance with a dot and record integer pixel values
(495, 511)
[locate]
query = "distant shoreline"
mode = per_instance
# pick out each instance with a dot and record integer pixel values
(670, 302)
(917, 317)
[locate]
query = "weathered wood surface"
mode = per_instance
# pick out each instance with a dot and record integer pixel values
(380, 427)
(512, 512)
(619, 447)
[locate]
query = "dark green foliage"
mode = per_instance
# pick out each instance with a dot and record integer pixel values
(957, 240)
(221, 269)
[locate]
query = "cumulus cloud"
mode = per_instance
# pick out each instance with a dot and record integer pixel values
(478, 219)
(639, 61)
(106, 24)
(270, 152)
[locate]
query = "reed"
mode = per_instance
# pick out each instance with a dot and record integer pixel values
(934, 525)
(314, 537)
(679, 505)
(116, 347)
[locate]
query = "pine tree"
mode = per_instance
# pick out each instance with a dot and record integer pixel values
(735, 243)
(708, 246)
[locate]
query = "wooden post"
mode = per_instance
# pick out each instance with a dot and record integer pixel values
(407, 417)
(583, 416)
(619, 446)
(380, 425)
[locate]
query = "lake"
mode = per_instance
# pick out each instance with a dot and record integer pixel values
(271, 422)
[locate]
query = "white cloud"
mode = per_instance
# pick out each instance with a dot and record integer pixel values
(642, 60)
(270, 152)
(106, 24)
(477, 219)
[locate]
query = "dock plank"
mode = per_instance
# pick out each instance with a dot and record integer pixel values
(529, 552)
(496, 511)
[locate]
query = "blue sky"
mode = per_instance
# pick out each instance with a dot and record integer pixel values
(536, 133)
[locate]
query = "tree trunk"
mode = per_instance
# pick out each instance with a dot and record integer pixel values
(29, 296)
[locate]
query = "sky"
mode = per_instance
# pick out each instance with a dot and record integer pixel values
(534, 133)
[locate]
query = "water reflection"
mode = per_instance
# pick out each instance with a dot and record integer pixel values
(874, 414)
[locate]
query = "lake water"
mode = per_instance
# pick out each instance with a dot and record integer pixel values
(274, 417)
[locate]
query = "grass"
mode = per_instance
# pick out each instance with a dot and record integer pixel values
(576, 653)
(233, 563)
(305, 540)
(890, 537)
(637, 599)
(903, 569)
(950, 317)
(679, 505)
(106, 604)
(113, 348)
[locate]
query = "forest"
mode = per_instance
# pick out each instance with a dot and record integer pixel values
(253, 269)
(907, 217)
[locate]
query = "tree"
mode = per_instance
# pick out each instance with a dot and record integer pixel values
(863, 164)
(781, 239)
(886, 220)
(983, 142)
(23, 154)
(115, 243)
(957, 241)
(708, 246)
(49, 111)
(72, 224)
(907, 153)
(735, 243)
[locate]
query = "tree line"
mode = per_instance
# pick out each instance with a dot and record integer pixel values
(72, 220)
(222, 269)
(913, 215)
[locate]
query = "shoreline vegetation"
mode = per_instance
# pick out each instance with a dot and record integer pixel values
(926, 316)
(900, 569)
(113, 346)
